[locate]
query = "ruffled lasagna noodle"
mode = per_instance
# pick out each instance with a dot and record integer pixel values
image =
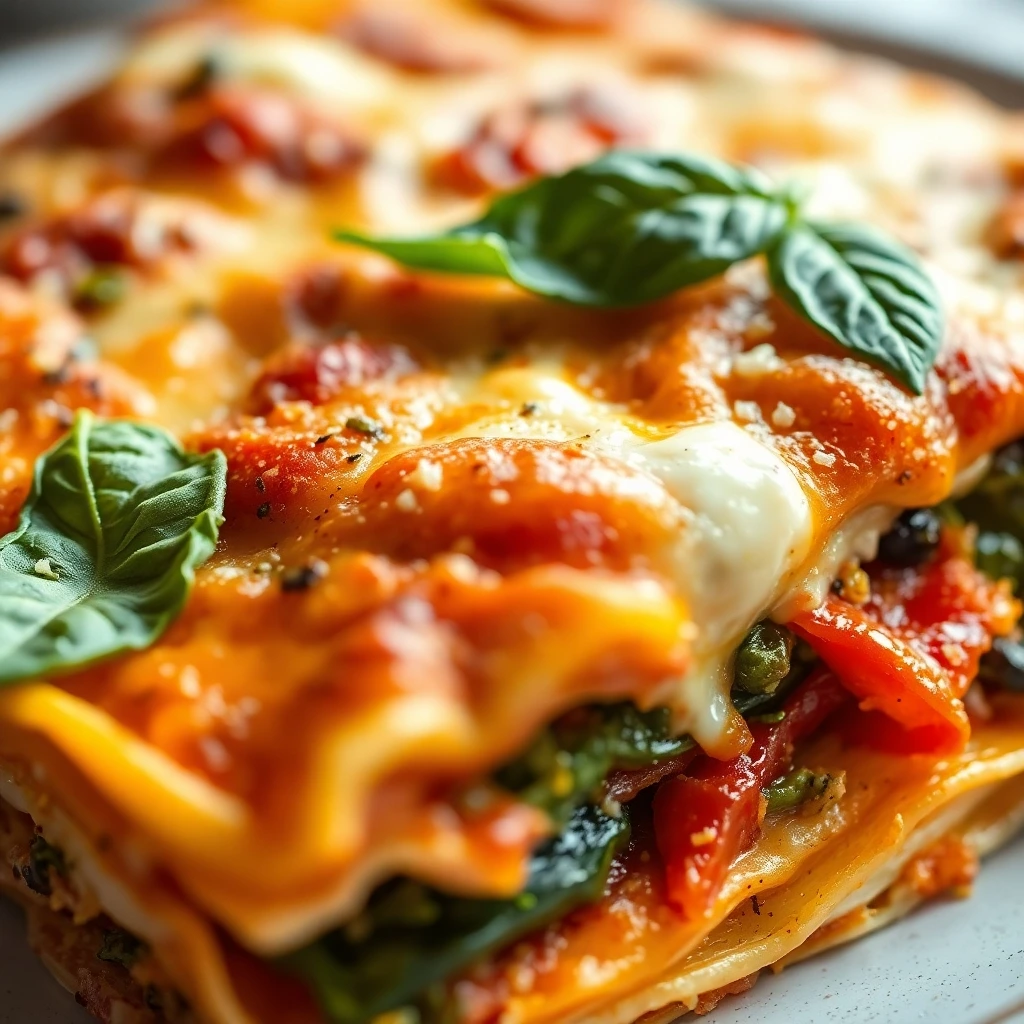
(456, 513)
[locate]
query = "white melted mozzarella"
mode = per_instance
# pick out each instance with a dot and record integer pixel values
(749, 521)
(744, 521)
(746, 529)
(858, 538)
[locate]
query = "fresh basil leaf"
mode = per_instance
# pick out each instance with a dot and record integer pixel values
(626, 229)
(410, 938)
(104, 553)
(865, 291)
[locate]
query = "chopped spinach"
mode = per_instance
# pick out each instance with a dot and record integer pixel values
(1000, 556)
(796, 788)
(763, 659)
(410, 938)
(43, 857)
(121, 947)
(996, 505)
(568, 762)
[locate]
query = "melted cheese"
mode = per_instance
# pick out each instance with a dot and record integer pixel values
(742, 520)
(745, 528)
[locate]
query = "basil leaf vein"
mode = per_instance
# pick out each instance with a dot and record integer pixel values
(627, 229)
(103, 556)
(865, 291)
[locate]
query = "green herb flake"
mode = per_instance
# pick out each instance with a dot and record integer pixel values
(102, 286)
(207, 71)
(364, 425)
(12, 206)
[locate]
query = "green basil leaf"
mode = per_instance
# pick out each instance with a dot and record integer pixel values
(865, 291)
(626, 229)
(104, 553)
(411, 939)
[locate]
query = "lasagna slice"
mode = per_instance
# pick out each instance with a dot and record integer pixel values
(377, 640)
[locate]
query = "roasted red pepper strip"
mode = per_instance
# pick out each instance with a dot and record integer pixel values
(705, 818)
(912, 650)
(624, 784)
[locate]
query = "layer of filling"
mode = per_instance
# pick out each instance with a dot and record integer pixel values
(900, 656)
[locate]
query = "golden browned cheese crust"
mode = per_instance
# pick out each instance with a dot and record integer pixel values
(454, 511)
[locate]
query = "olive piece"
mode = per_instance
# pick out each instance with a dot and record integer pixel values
(11, 206)
(763, 659)
(913, 540)
(1004, 664)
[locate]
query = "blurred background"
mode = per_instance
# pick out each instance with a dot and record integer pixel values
(981, 34)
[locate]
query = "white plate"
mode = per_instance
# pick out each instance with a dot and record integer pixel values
(954, 962)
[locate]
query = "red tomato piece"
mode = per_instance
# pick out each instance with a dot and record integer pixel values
(913, 648)
(703, 820)
(320, 373)
(522, 140)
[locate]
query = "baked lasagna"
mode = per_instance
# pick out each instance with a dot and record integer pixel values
(510, 511)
